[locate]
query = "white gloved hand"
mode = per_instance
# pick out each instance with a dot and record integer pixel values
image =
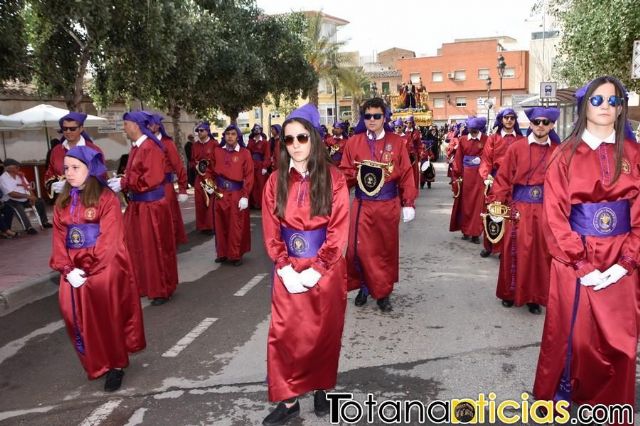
(611, 276)
(182, 198)
(425, 166)
(475, 160)
(264, 172)
(488, 182)
(76, 277)
(408, 214)
(209, 190)
(291, 280)
(115, 184)
(57, 186)
(496, 219)
(593, 278)
(310, 277)
(243, 203)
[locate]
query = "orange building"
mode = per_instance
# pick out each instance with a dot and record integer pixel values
(457, 77)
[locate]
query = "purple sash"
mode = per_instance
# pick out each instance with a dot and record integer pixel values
(228, 185)
(303, 244)
(531, 194)
(257, 156)
(168, 177)
(337, 157)
(388, 191)
(467, 161)
(82, 235)
(601, 219)
(151, 195)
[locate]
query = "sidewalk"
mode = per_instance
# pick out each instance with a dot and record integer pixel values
(25, 275)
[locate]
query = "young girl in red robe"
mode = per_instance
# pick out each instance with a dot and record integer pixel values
(98, 295)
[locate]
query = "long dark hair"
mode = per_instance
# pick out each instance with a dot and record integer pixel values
(573, 140)
(319, 173)
(89, 197)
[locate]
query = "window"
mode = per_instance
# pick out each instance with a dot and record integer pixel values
(414, 77)
(483, 73)
(461, 102)
(385, 87)
(436, 76)
(459, 75)
(438, 102)
(509, 73)
(507, 101)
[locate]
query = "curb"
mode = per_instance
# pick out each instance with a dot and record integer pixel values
(27, 292)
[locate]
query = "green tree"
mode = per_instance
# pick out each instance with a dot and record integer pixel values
(14, 56)
(597, 39)
(354, 82)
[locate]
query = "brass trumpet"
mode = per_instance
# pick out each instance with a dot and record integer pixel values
(334, 148)
(209, 185)
(497, 209)
(494, 227)
(387, 167)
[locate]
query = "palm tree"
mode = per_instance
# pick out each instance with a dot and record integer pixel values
(354, 82)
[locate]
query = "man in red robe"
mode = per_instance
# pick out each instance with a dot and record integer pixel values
(274, 145)
(373, 251)
(525, 259)
(415, 147)
(465, 214)
(233, 175)
(202, 162)
(173, 169)
(508, 132)
(258, 146)
(73, 134)
(148, 224)
(337, 141)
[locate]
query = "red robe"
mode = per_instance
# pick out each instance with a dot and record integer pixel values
(107, 320)
(338, 144)
(56, 159)
(525, 259)
(233, 233)
(415, 147)
(377, 222)
(465, 214)
(148, 224)
(261, 155)
(305, 332)
(275, 153)
(490, 161)
(204, 214)
(174, 165)
(603, 365)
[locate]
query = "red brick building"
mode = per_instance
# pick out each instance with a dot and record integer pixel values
(456, 78)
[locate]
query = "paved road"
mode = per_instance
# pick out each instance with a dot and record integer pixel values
(448, 337)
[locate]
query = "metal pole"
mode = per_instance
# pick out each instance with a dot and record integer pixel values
(335, 101)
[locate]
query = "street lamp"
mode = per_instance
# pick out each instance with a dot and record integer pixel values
(501, 66)
(488, 103)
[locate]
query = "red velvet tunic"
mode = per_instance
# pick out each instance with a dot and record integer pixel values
(56, 160)
(378, 246)
(148, 224)
(525, 259)
(465, 214)
(233, 233)
(258, 149)
(338, 144)
(204, 214)
(415, 147)
(275, 154)
(603, 366)
(175, 166)
(306, 329)
(108, 317)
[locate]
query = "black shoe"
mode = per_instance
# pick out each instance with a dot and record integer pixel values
(114, 380)
(465, 237)
(207, 232)
(422, 186)
(281, 414)
(236, 262)
(485, 253)
(534, 308)
(159, 301)
(475, 240)
(320, 403)
(31, 231)
(47, 225)
(507, 303)
(220, 259)
(384, 304)
(428, 184)
(361, 298)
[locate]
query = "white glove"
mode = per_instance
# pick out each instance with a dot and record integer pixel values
(593, 278)
(209, 190)
(115, 184)
(408, 214)
(264, 172)
(243, 203)
(182, 198)
(57, 186)
(475, 160)
(76, 277)
(291, 280)
(425, 166)
(496, 219)
(611, 276)
(310, 277)
(488, 182)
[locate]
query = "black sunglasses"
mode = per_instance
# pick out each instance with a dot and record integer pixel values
(538, 121)
(376, 116)
(69, 129)
(597, 100)
(302, 138)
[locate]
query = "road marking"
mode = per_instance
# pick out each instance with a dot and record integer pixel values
(12, 348)
(190, 337)
(101, 413)
(4, 415)
(248, 286)
(137, 417)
